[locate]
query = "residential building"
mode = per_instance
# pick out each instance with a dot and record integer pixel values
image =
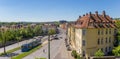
(47, 27)
(92, 32)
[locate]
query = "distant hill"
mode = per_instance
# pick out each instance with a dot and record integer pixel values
(116, 18)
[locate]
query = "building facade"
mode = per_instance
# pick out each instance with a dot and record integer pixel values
(92, 32)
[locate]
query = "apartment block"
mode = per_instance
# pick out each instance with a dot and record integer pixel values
(92, 32)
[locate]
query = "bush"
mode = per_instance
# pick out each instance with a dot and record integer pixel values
(78, 57)
(74, 54)
(99, 53)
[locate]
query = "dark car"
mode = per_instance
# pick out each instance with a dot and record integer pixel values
(55, 37)
(61, 37)
(68, 48)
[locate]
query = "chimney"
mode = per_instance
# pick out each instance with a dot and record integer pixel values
(79, 16)
(103, 14)
(86, 14)
(96, 13)
(83, 14)
(90, 14)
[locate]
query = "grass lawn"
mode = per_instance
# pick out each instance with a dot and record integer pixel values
(10, 51)
(20, 56)
(40, 58)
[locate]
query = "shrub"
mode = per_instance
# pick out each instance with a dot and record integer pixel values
(74, 54)
(99, 53)
(78, 57)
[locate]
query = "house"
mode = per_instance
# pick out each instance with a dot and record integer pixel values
(47, 27)
(92, 32)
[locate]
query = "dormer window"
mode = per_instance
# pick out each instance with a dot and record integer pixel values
(100, 24)
(81, 23)
(91, 24)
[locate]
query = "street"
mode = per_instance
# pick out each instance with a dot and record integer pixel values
(17, 45)
(57, 49)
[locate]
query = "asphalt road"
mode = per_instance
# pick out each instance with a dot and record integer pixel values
(57, 49)
(14, 45)
(17, 45)
(43, 39)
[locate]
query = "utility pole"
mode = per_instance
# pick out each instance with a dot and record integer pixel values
(48, 46)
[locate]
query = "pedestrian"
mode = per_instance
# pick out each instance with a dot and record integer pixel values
(44, 50)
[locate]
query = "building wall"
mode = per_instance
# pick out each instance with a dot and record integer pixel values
(63, 26)
(78, 40)
(72, 42)
(90, 37)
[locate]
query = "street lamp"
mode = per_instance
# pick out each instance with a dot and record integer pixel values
(50, 32)
(48, 46)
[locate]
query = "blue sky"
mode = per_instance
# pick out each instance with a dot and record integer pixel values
(54, 10)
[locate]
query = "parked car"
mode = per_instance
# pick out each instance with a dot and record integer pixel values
(67, 45)
(56, 38)
(61, 37)
(68, 48)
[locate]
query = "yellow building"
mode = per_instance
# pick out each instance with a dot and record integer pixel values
(92, 32)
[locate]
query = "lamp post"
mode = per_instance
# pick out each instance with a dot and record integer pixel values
(48, 46)
(50, 32)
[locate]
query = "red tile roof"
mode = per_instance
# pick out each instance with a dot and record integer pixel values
(95, 21)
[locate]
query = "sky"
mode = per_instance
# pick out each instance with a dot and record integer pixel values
(54, 10)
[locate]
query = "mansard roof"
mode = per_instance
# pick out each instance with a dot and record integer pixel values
(95, 21)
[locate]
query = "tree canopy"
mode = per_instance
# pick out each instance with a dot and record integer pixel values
(116, 51)
(51, 31)
(99, 53)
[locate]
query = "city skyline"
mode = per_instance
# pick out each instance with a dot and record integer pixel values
(54, 10)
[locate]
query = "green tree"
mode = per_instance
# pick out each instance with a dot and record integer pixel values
(99, 53)
(117, 23)
(18, 36)
(56, 23)
(38, 30)
(51, 31)
(116, 51)
(4, 37)
(29, 31)
(117, 39)
(117, 36)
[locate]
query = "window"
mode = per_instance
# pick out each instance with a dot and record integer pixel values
(102, 31)
(109, 31)
(106, 31)
(83, 42)
(106, 49)
(83, 53)
(115, 30)
(110, 49)
(98, 41)
(98, 31)
(102, 41)
(109, 39)
(83, 32)
(106, 39)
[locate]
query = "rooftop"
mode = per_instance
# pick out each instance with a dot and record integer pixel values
(95, 21)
